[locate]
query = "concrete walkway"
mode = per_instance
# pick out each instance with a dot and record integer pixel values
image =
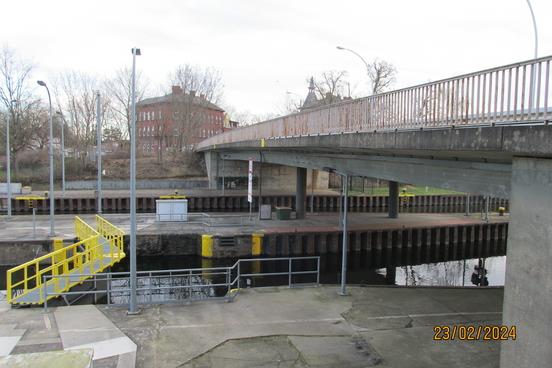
(268, 327)
(83, 332)
(313, 327)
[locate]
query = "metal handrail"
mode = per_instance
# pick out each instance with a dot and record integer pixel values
(509, 94)
(230, 282)
(49, 269)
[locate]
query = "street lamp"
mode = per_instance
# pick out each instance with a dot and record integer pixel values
(99, 151)
(51, 154)
(533, 84)
(8, 159)
(289, 93)
(62, 153)
(132, 302)
(359, 56)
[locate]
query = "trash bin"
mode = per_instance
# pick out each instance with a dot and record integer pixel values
(283, 213)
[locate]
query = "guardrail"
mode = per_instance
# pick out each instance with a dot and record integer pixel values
(510, 94)
(183, 285)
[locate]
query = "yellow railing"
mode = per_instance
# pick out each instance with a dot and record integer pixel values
(111, 232)
(87, 256)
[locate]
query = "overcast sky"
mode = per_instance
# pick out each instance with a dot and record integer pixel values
(264, 48)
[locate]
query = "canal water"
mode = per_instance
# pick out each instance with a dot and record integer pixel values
(361, 270)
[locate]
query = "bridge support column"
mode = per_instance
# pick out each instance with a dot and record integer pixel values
(211, 163)
(527, 297)
(393, 199)
(301, 193)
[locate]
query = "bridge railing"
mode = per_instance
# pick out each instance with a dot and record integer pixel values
(510, 94)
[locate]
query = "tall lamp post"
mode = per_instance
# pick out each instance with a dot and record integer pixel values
(533, 84)
(51, 154)
(8, 159)
(99, 150)
(62, 153)
(359, 56)
(132, 309)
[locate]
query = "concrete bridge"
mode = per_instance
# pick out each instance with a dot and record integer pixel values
(484, 133)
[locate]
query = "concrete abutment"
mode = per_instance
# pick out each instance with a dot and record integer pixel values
(528, 286)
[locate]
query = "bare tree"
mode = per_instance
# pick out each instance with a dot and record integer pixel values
(76, 97)
(16, 97)
(382, 75)
(331, 85)
(119, 90)
(200, 90)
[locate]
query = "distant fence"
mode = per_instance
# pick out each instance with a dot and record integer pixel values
(140, 184)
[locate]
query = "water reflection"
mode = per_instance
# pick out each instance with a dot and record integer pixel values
(452, 273)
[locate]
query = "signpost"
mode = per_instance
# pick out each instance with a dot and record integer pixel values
(250, 186)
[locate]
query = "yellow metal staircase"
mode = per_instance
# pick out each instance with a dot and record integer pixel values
(96, 250)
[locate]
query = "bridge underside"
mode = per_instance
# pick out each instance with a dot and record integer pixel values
(502, 161)
(475, 160)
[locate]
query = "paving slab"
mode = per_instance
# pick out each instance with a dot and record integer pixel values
(53, 359)
(272, 351)
(84, 326)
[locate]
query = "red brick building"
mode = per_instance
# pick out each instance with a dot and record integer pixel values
(177, 121)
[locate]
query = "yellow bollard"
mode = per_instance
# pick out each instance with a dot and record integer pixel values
(57, 244)
(207, 246)
(206, 274)
(256, 244)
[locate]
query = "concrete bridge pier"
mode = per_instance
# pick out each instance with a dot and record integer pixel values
(528, 287)
(393, 199)
(301, 193)
(212, 166)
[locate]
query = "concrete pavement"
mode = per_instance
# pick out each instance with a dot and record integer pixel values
(269, 327)
(21, 227)
(313, 327)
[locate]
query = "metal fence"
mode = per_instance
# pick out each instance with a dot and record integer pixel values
(510, 94)
(221, 220)
(186, 285)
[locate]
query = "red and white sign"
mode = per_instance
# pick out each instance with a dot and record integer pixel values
(250, 182)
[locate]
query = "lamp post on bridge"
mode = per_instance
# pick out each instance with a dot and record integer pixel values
(298, 95)
(533, 84)
(359, 56)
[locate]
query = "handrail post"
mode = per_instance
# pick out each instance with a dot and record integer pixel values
(318, 271)
(45, 294)
(228, 278)
(289, 272)
(108, 288)
(239, 273)
(95, 290)
(150, 288)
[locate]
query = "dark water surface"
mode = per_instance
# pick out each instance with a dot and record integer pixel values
(363, 268)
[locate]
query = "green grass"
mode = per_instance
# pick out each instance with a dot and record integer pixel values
(410, 189)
